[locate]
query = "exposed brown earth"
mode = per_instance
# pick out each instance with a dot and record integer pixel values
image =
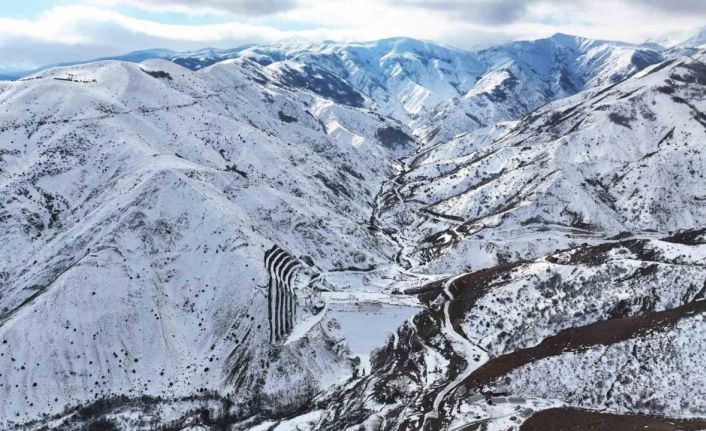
(471, 287)
(689, 237)
(573, 419)
(605, 332)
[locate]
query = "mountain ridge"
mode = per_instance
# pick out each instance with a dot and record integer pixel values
(143, 205)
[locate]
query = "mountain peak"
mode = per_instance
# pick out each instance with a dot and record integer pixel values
(696, 40)
(566, 36)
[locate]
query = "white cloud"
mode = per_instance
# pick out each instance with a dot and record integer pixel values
(84, 32)
(240, 7)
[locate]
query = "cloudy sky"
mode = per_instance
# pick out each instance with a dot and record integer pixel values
(38, 32)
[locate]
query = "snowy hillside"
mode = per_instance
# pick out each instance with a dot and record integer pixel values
(410, 78)
(135, 216)
(383, 235)
(578, 170)
(522, 76)
(592, 327)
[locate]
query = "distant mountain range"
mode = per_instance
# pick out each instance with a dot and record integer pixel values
(410, 78)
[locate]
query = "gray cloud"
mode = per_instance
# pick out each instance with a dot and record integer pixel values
(673, 6)
(240, 7)
(479, 11)
(105, 38)
(501, 12)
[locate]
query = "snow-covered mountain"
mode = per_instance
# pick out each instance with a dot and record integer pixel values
(611, 328)
(523, 328)
(220, 239)
(522, 76)
(404, 76)
(694, 41)
(409, 77)
(579, 169)
(679, 44)
(138, 203)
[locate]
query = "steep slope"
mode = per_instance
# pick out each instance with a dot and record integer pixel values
(592, 327)
(138, 202)
(616, 326)
(522, 76)
(404, 76)
(453, 90)
(579, 170)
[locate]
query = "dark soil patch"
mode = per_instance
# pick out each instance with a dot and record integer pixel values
(573, 419)
(428, 292)
(469, 288)
(323, 83)
(593, 255)
(620, 119)
(286, 118)
(688, 237)
(158, 74)
(393, 138)
(605, 333)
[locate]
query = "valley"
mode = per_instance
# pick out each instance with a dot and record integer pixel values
(392, 235)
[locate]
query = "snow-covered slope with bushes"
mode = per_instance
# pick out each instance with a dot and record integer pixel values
(522, 76)
(592, 327)
(138, 201)
(536, 207)
(581, 169)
